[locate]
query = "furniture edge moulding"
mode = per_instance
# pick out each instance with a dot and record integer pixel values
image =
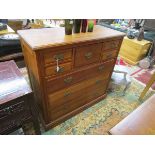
(36, 81)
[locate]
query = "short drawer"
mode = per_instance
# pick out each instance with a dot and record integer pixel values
(51, 70)
(111, 45)
(62, 55)
(109, 55)
(87, 54)
(75, 77)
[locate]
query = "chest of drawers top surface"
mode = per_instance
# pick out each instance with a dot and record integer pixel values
(51, 37)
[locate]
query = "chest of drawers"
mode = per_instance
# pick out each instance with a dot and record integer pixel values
(85, 61)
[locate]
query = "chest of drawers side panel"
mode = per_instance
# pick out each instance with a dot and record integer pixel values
(32, 60)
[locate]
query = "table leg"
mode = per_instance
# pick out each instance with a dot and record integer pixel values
(36, 127)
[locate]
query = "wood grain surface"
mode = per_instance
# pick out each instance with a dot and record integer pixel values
(49, 37)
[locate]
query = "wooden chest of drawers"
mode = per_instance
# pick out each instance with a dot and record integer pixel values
(85, 61)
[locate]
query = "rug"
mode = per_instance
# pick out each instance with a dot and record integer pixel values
(100, 118)
(144, 75)
(140, 74)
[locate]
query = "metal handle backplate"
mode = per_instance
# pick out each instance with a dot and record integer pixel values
(88, 55)
(59, 57)
(101, 68)
(66, 94)
(68, 79)
(113, 45)
(98, 81)
(108, 56)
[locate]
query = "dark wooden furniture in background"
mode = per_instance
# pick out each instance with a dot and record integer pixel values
(86, 62)
(16, 100)
(140, 122)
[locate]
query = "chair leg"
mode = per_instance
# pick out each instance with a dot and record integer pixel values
(149, 84)
(126, 87)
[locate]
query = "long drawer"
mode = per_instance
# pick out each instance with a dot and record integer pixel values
(103, 69)
(69, 99)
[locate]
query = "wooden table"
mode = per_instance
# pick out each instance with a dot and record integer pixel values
(140, 122)
(16, 100)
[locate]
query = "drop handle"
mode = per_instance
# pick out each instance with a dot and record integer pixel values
(59, 57)
(61, 70)
(88, 55)
(113, 45)
(98, 81)
(108, 56)
(101, 68)
(66, 94)
(68, 79)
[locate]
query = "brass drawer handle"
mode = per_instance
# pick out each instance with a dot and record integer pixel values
(66, 94)
(108, 56)
(101, 68)
(96, 94)
(113, 45)
(68, 79)
(61, 70)
(88, 55)
(98, 81)
(59, 57)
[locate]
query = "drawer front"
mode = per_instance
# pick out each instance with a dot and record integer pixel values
(67, 100)
(87, 54)
(51, 70)
(97, 90)
(84, 74)
(62, 55)
(111, 45)
(109, 55)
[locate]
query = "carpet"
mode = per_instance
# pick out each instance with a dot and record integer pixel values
(140, 74)
(144, 75)
(100, 118)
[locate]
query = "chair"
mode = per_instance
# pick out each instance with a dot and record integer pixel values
(118, 79)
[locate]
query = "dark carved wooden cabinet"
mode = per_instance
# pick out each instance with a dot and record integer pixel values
(69, 73)
(16, 100)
